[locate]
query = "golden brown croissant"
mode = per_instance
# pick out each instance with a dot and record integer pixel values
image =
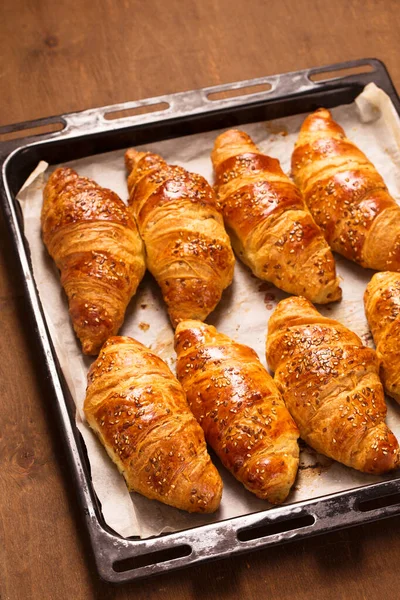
(346, 195)
(271, 228)
(331, 387)
(95, 244)
(382, 308)
(240, 409)
(188, 250)
(140, 413)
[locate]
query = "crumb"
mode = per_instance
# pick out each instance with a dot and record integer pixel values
(144, 326)
(276, 129)
(269, 297)
(269, 301)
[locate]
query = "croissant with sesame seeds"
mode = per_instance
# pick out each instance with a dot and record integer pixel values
(239, 408)
(382, 308)
(95, 244)
(330, 384)
(272, 230)
(188, 250)
(139, 411)
(346, 195)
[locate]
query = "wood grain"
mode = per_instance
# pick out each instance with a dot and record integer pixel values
(62, 56)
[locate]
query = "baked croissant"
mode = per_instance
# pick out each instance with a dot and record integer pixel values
(140, 413)
(346, 195)
(239, 408)
(188, 249)
(382, 308)
(331, 386)
(95, 244)
(271, 229)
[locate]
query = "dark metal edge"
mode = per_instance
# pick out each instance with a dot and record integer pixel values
(295, 83)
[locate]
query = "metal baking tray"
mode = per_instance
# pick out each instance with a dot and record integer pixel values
(93, 131)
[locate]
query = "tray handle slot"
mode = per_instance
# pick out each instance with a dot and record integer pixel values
(378, 502)
(247, 90)
(151, 558)
(318, 75)
(136, 111)
(31, 128)
(275, 527)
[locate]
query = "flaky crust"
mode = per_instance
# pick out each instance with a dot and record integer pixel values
(140, 413)
(239, 408)
(382, 308)
(346, 195)
(331, 387)
(95, 244)
(271, 229)
(188, 249)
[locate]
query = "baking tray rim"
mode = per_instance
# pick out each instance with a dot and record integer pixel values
(218, 539)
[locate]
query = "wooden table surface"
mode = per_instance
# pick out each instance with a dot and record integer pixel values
(63, 56)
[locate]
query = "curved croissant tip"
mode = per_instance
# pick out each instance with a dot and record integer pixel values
(289, 308)
(210, 487)
(232, 136)
(321, 109)
(193, 331)
(382, 276)
(114, 340)
(61, 174)
(322, 113)
(214, 502)
(90, 348)
(186, 323)
(317, 119)
(331, 292)
(385, 457)
(62, 171)
(295, 301)
(132, 157)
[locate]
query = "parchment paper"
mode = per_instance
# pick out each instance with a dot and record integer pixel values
(243, 313)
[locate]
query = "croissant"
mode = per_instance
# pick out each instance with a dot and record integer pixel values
(382, 308)
(271, 229)
(95, 244)
(331, 386)
(346, 195)
(140, 413)
(239, 408)
(188, 249)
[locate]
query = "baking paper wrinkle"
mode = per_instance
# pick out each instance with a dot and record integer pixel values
(373, 124)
